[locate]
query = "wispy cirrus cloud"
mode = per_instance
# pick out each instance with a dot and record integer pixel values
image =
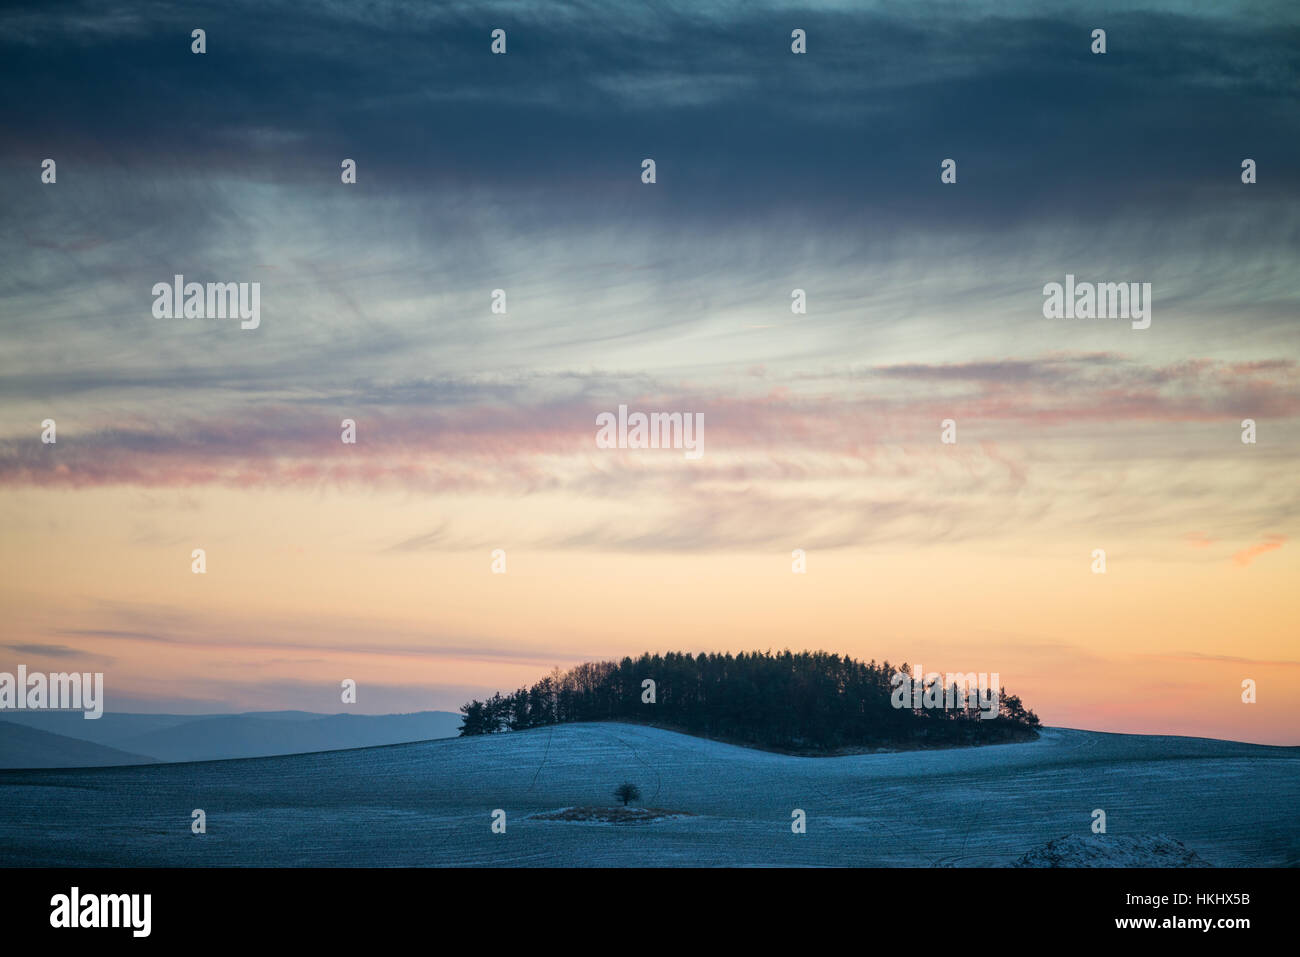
(47, 651)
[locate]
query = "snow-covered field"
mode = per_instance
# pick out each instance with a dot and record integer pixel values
(432, 803)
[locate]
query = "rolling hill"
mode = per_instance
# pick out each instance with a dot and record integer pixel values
(431, 803)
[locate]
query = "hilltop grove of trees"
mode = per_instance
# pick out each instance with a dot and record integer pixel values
(806, 701)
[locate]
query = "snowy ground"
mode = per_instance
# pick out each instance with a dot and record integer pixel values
(432, 803)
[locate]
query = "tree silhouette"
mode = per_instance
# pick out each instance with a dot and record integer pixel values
(627, 792)
(806, 701)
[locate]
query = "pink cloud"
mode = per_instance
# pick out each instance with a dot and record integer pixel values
(1247, 555)
(784, 432)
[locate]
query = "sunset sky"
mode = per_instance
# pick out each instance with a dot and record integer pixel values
(476, 431)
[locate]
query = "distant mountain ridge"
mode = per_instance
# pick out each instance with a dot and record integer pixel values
(124, 738)
(25, 747)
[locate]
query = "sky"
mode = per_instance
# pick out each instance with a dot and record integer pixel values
(476, 430)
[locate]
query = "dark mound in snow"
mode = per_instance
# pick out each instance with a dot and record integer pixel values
(609, 815)
(1100, 850)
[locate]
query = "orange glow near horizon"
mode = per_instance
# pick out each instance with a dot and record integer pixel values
(303, 590)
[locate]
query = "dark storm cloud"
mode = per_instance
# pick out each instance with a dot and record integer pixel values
(736, 123)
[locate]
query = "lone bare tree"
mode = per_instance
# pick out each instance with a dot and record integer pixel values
(627, 792)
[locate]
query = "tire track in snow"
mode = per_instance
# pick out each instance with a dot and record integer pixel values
(545, 754)
(653, 770)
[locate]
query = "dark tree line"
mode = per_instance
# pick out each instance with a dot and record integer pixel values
(804, 701)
